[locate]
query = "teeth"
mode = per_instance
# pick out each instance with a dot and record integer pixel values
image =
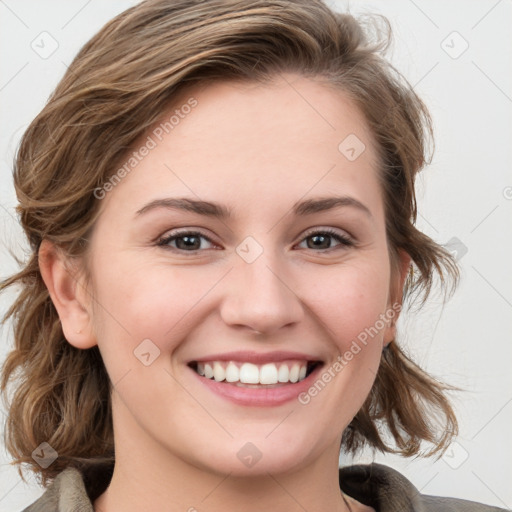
(284, 373)
(232, 373)
(294, 373)
(268, 374)
(249, 373)
(219, 374)
(208, 371)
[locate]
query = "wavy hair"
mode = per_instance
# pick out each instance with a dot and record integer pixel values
(117, 87)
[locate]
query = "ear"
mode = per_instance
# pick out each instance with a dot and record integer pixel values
(68, 294)
(399, 276)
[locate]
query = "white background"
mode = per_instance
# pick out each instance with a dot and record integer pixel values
(465, 193)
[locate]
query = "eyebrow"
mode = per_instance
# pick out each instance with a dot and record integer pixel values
(209, 209)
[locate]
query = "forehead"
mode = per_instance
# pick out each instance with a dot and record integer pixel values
(288, 137)
(306, 109)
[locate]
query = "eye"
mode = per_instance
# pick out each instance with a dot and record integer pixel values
(322, 239)
(191, 241)
(188, 241)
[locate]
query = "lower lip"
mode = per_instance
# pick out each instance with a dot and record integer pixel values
(259, 397)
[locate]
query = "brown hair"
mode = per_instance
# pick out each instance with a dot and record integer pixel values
(116, 88)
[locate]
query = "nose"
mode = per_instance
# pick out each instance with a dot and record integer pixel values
(260, 297)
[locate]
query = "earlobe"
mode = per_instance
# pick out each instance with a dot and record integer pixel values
(395, 307)
(67, 293)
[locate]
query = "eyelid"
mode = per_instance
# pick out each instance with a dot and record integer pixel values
(327, 230)
(163, 240)
(342, 237)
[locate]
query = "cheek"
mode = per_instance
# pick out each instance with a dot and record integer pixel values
(351, 308)
(350, 300)
(139, 301)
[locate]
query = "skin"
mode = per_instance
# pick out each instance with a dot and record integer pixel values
(177, 442)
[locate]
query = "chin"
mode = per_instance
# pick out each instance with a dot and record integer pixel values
(257, 455)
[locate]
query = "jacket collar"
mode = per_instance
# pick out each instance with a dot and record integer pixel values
(380, 487)
(375, 485)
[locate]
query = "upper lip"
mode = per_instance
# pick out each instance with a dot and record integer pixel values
(256, 357)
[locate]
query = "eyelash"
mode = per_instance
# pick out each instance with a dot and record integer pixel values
(342, 239)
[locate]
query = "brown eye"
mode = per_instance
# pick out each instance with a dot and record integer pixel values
(187, 241)
(323, 239)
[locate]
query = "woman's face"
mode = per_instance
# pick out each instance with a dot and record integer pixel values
(180, 289)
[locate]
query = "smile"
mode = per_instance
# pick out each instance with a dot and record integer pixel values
(255, 375)
(256, 379)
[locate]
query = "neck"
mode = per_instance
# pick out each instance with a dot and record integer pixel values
(148, 477)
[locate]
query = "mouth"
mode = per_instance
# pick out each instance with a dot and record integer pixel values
(253, 375)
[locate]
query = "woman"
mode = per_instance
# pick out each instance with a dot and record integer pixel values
(220, 202)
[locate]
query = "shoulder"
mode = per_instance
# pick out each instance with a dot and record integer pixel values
(73, 489)
(385, 489)
(375, 485)
(66, 492)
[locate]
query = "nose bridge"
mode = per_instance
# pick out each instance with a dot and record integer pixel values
(259, 295)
